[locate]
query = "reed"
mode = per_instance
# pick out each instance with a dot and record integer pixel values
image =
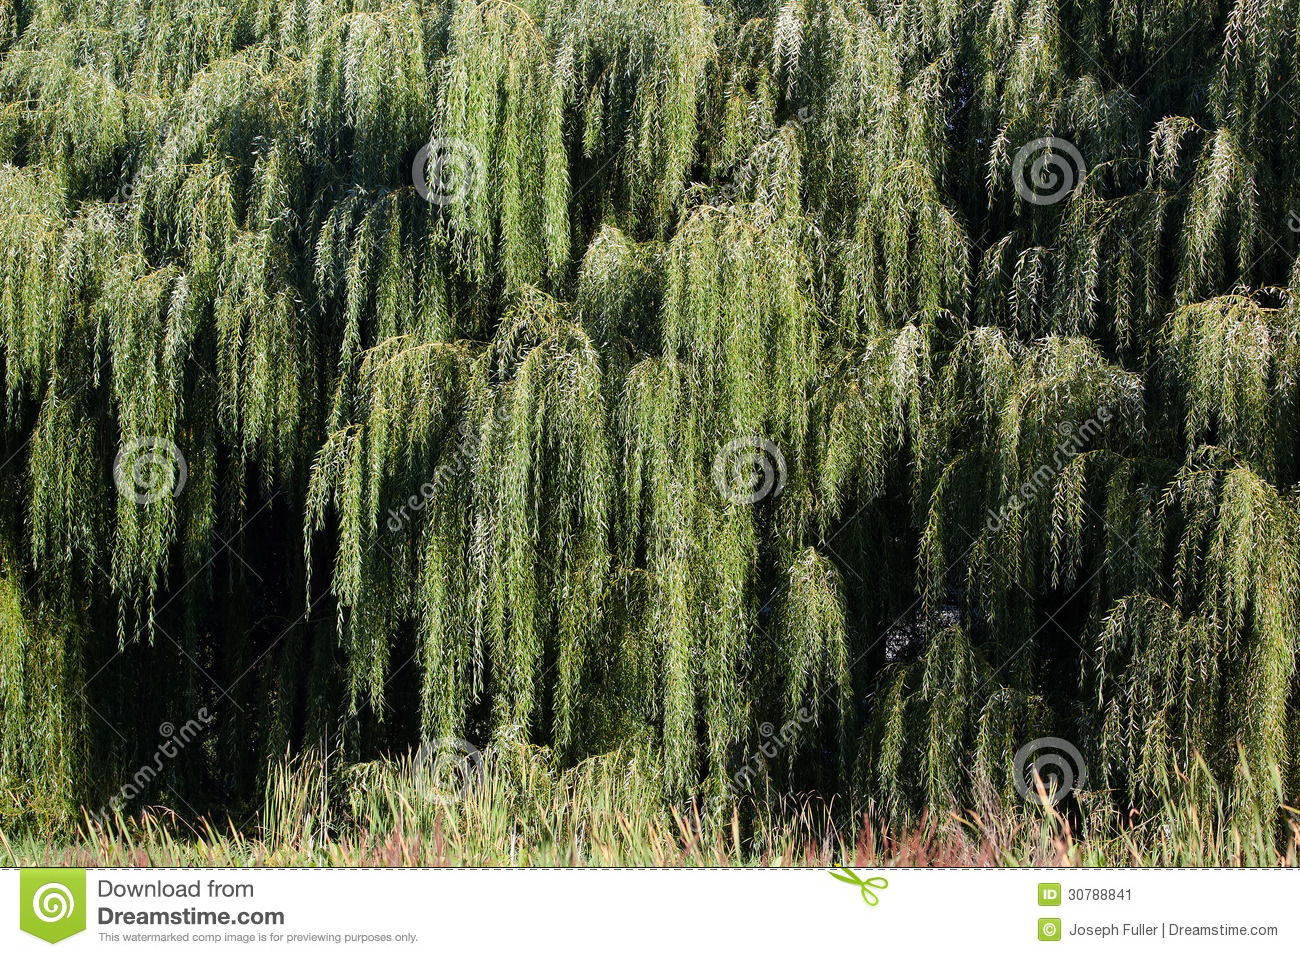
(611, 811)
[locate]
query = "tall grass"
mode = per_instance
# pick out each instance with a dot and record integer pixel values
(611, 811)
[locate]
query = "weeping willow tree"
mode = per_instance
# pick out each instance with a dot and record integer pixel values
(919, 379)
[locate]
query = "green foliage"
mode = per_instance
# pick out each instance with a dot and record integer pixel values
(465, 464)
(41, 736)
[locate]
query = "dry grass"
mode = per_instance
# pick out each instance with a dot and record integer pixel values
(609, 811)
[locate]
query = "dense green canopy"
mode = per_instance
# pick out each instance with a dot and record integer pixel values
(920, 372)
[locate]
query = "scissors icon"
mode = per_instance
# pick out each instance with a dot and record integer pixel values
(868, 894)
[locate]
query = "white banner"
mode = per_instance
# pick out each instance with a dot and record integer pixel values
(593, 911)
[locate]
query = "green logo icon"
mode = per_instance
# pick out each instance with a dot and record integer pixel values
(1049, 928)
(52, 902)
(865, 885)
(1049, 895)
